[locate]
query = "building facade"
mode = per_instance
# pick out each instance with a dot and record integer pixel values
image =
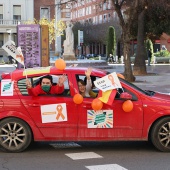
(45, 9)
(12, 13)
(94, 12)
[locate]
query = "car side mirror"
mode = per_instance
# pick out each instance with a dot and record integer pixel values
(126, 96)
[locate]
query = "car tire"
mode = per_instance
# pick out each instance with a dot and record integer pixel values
(15, 135)
(160, 134)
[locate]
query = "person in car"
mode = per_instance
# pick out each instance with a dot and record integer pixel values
(46, 86)
(91, 92)
(85, 87)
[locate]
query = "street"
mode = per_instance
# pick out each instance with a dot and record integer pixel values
(84, 156)
(96, 155)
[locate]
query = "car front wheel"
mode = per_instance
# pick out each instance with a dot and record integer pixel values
(15, 135)
(160, 135)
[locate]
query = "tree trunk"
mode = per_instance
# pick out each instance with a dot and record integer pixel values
(126, 53)
(139, 64)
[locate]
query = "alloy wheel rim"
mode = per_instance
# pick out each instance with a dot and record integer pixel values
(12, 135)
(164, 135)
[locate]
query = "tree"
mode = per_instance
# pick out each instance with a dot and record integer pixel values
(126, 18)
(111, 41)
(153, 20)
(139, 64)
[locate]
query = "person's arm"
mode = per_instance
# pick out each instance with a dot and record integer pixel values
(88, 83)
(33, 91)
(59, 88)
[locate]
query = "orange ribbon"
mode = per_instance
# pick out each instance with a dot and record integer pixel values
(59, 110)
(21, 57)
(110, 77)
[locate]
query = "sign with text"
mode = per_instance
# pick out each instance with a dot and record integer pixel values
(108, 82)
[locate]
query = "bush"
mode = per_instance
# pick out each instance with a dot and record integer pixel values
(162, 53)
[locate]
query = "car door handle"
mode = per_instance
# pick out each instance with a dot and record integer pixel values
(34, 104)
(87, 107)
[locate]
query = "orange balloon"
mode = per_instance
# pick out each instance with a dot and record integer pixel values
(120, 75)
(97, 104)
(60, 64)
(78, 98)
(127, 106)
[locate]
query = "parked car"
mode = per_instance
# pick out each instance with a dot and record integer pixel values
(91, 56)
(25, 118)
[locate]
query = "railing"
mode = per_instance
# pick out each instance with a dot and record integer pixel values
(11, 22)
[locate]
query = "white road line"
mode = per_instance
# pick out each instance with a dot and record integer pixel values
(83, 155)
(106, 167)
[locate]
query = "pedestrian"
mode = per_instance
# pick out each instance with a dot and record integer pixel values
(110, 58)
(149, 56)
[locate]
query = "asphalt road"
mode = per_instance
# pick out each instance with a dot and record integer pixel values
(87, 156)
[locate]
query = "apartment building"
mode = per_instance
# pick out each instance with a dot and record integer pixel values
(12, 13)
(93, 12)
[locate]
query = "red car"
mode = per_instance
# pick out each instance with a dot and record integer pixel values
(25, 118)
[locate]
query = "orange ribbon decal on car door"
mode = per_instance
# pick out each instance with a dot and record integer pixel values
(59, 110)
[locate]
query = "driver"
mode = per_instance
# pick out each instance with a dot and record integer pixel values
(46, 86)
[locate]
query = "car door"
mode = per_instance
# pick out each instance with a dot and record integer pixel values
(44, 111)
(117, 124)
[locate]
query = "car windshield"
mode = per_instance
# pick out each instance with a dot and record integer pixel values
(146, 92)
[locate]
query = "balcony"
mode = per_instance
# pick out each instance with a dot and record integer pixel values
(11, 22)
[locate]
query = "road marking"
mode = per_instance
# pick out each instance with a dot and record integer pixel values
(83, 155)
(106, 167)
(61, 145)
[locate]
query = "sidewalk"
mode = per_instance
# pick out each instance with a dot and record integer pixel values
(158, 78)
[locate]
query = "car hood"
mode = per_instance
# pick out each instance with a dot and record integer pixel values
(162, 96)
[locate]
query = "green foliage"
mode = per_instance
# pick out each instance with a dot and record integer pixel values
(162, 53)
(157, 18)
(111, 41)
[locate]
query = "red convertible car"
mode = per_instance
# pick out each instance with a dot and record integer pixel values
(25, 118)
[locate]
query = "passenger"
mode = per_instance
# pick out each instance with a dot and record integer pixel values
(91, 92)
(84, 88)
(46, 86)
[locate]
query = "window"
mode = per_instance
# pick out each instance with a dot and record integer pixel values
(100, 19)
(35, 81)
(45, 13)
(105, 17)
(22, 86)
(1, 14)
(1, 40)
(104, 6)
(67, 14)
(17, 12)
(94, 91)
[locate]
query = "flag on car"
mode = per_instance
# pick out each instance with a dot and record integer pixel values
(108, 96)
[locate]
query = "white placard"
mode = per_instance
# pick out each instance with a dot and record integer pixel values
(54, 113)
(14, 51)
(108, 82)
(7, 87)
